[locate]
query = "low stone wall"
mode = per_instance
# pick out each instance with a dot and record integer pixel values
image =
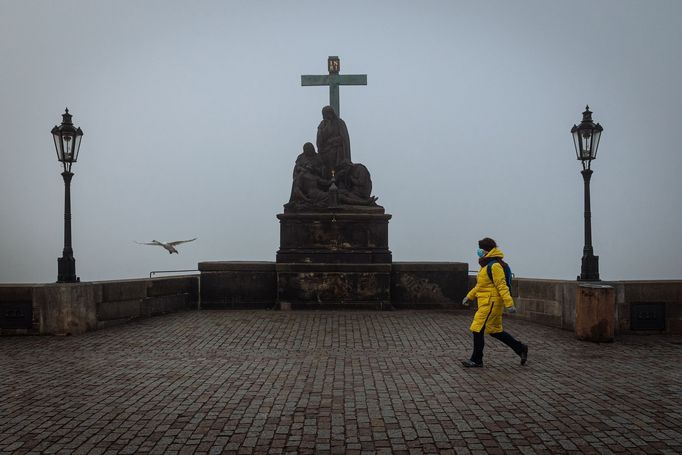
(633, 298)
(74, 308)
(553, 303)
(16, 309)
(428, 284)
(377, 286)
(80, 307)
(237, 284)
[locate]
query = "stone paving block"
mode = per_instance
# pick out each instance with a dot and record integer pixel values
(335, 382)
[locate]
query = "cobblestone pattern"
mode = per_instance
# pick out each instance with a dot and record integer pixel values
(335, 382)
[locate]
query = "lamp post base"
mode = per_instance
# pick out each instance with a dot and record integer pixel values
(66, 270)
(589, 271)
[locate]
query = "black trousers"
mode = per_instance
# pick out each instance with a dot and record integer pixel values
(479, 343)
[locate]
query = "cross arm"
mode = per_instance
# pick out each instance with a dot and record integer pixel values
(315, 80)
(352, 79)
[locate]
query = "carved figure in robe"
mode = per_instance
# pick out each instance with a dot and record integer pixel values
(355, 184)
(333, 142)
(309, 188)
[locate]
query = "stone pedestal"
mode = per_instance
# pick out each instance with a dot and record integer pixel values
(595, 313)
(66, 309)
(325, 285)
(329, 237)
(334, 258)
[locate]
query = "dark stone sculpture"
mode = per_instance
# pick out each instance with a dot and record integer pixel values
(331, 166)
(333, 235)
(309, 189)
(355, 184)
(333, 141)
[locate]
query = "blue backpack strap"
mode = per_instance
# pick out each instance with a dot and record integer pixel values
(490, 270)
(506, 270)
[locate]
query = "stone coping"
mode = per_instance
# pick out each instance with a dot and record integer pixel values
(312, 267)
(430, 266)
(237, 266)
(338, 216)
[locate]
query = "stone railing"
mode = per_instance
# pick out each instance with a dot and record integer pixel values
(70, 309)
(259, 284)
(641, 306)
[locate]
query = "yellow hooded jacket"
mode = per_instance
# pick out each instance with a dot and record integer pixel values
(491, 296)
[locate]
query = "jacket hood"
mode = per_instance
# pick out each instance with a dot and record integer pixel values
(495, 253)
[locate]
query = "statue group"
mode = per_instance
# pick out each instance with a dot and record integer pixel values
(327, 177)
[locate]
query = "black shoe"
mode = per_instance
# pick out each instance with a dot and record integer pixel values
(471, 364)
(524, 354)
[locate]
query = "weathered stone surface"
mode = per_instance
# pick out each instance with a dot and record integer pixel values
(154, 306)
(538, 289)
(237, 266)
(428, 284)
(73, 308)
(334, 238)
(172, 285)
(123, 290)
(595, 313)
(16, 293)
(238, 284)
(118, 309)
(17, 315)
(334, 283)
(68, 309)
(653, 291)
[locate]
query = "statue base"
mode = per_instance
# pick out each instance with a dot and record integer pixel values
(331, 285)
(334, 237)
(334, 258)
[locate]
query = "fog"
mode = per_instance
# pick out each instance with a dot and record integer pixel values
(193, 114)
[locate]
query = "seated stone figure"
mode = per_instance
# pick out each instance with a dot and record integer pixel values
(355, 184)
(309, 189)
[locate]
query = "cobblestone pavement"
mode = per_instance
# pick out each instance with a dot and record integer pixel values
(335, 382)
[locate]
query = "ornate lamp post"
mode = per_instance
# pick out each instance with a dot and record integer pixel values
(586, 139)
(67, 142)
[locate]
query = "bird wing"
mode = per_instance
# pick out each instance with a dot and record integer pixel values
(178, 242)
(153, 242)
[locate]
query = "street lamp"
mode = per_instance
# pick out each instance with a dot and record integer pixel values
(586, 139)
(67, 142)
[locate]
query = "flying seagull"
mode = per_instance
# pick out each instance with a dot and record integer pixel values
(170, 246)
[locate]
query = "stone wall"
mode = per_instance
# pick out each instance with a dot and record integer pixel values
(74, 308)
(667, 293)
(428, 284)
(553, 302)
(236, 284)
(80, 307)
(372, 286)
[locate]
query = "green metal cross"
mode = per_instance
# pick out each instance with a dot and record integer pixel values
(333, 80)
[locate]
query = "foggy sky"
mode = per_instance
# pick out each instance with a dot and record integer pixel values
(193, 115)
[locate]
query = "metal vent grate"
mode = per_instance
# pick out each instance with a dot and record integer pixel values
(16, 315)
(647, 316)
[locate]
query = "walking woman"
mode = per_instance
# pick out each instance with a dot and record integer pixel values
(493, 296)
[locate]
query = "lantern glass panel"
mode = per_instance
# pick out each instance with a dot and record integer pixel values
(586, 148)
(596, 135)
(576, 141)
(67, 140)
(58, 143)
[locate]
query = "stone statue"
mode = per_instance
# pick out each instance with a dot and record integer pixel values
(355, 184)
(314, 172)
(333, 142)
(309, 189)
